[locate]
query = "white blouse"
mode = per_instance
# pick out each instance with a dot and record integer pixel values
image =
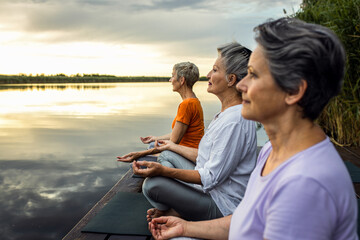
(226, 157)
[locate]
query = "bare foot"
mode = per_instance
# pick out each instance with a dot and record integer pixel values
(155, 213)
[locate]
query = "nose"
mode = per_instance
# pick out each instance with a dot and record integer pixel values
(208, 76)
(170, 79)
(241, 85)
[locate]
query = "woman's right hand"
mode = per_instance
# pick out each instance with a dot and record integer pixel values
(167, 227)
(163, 145)
(129, 157)
(148, 139)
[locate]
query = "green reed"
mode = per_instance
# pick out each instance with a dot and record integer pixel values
(341, 117)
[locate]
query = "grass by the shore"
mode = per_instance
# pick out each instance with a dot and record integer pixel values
(86, 78)
(341, 117)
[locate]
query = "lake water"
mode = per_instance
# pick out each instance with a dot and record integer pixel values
(58, 147)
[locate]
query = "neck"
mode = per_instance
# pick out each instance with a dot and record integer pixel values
(229, 99)
(290, 134)
(186, 93)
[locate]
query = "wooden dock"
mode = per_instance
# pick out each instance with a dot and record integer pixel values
(352, 155)
(126, 184)
(129, 184)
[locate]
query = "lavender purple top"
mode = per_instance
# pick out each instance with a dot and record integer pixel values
(310, 196)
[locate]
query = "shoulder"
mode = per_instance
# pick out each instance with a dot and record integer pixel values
(190, 102)
(319, 166)
(312, 186)
(232, 117)
(232, 114)
(230, 122)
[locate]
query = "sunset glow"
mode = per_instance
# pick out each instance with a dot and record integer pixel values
(137, 38)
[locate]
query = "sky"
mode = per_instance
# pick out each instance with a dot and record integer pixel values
(125, 38)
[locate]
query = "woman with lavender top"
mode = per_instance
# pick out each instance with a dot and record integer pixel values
(300, 188)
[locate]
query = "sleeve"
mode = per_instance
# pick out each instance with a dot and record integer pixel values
(229, 148)
(300, 209)
(184, 113)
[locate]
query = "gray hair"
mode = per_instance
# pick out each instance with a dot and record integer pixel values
(297, 51)
(189, 71)
(235, 58)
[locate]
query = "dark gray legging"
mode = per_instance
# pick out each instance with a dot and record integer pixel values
(165, 193)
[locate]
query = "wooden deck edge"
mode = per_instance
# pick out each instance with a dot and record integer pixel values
(349, 154)
(126, 184)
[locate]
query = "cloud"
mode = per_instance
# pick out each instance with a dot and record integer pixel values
(158, 31)
(169, 5)
(137, 22)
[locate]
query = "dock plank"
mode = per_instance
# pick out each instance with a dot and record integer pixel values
(126, 184)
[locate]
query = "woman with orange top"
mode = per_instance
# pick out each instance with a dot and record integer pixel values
(188, 125)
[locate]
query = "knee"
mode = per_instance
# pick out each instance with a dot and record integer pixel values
(163, 159)
(151, 185)
(164, 155)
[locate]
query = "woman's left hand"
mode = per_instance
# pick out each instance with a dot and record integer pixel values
(129, 157)
(152, 168)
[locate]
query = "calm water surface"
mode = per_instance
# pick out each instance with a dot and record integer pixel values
(58, 147)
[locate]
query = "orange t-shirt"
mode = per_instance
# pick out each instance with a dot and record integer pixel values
(190, 113)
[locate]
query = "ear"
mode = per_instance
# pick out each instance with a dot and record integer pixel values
(231, 80)
(293, 98)
(182, 80)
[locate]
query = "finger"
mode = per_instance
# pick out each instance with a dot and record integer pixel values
(127, 155)
(160, 149)
(153, 230)
(144, 163)
(124, 160)
(150, 226)
(138, 170)
(135, 166)
(161, 141)
(141, 172)
(159, 220)
(158, 233)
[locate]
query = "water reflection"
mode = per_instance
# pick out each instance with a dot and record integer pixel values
(58, 147)
(107, 99)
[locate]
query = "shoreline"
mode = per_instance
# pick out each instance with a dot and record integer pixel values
(94, 78)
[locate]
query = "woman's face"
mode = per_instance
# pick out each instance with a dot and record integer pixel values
(174, 81)
(263, 100)
(217, 78)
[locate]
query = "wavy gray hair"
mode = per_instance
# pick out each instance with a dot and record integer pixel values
(235, 58)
